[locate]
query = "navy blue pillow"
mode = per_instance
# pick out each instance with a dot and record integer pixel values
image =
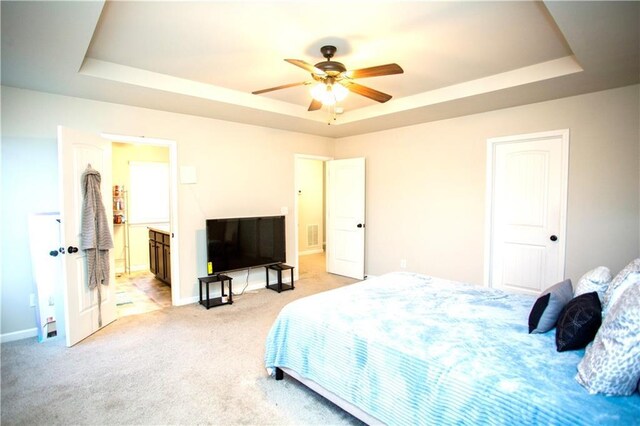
(579, 322)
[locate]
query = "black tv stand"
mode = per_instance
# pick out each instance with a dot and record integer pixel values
(279, 286)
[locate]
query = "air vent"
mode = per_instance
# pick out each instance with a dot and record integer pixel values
(312, 235)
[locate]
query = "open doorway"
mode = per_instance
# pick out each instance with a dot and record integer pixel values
(141, 209)
(310, 214)
(86, 309)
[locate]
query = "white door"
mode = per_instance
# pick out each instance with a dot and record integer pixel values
(528, 191)
(76, 150)
(345, 217)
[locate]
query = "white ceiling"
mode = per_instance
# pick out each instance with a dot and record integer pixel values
(205, 58)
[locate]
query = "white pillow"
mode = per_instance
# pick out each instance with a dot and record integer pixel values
(597, 280)
(611, 365)
(625, 278)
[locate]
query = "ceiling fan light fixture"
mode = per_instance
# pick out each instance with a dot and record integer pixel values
(329, 94)
(340, 92)
(325, 75)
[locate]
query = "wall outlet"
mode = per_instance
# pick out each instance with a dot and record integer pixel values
(403, 263)
(32, 300)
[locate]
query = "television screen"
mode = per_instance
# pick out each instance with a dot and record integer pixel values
(241, 243)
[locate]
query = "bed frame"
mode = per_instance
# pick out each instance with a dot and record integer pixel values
(345, 405)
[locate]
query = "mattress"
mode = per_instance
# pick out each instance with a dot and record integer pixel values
(412, 349)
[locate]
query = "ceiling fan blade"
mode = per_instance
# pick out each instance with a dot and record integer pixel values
(284, 86)
(387, 69)
(315, 105)
(366, 91)
(306, 66)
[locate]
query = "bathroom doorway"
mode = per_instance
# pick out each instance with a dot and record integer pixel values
(141, 189)
(310, 214)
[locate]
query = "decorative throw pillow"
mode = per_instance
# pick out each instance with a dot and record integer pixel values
(547, 308)
(597, 280)
(611, 365)
(579, 322)
(626, 277)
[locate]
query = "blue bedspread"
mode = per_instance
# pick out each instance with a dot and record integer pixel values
(411, 349)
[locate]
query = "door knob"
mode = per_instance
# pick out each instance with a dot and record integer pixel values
(360, 225)
(553, 238)
(72, 249)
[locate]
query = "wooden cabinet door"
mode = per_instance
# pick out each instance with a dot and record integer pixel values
(153, 265)
(160, 260)
(167, 263)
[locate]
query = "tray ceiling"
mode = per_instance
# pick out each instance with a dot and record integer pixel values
(205, 58)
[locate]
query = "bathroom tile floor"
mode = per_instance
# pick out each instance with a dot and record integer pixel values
(141, 292)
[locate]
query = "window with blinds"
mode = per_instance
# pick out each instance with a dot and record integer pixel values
(148, 192)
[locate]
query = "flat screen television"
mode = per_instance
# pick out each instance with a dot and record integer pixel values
(242, 243)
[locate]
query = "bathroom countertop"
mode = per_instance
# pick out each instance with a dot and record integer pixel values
(159, 228)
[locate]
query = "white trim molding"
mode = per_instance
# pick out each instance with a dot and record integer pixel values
(308, 252)
(19, 335)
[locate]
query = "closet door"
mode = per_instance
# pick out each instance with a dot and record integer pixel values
(527, 192)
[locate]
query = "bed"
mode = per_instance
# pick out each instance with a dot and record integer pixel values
(407, 348)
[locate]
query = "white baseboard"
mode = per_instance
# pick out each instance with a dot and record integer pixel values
(308, 252)
(237, 288)
(19, 335)
(135, 268)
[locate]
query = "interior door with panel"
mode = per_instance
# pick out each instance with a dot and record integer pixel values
(528, 193)
(76, 150)
(345, 217)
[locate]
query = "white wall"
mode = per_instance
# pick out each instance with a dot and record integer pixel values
(29, 185)
(242, 170)
(310, 190)
(426, 185)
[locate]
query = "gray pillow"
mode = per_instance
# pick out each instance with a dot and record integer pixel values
(597, 280)
(626, 277)
(611, 365)
(546, 310)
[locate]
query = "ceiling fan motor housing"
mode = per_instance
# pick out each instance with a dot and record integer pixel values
(330, 67)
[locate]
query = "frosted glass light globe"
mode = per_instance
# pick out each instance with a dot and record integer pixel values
(328, 94)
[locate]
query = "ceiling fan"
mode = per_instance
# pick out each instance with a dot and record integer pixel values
(327, 73)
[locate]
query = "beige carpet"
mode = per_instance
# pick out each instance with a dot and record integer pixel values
(180, 365)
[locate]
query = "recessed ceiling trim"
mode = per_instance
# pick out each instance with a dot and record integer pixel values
(153, 80)
(526, 75)
(135, 76)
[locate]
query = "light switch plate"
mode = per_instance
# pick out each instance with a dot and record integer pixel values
(188, 175)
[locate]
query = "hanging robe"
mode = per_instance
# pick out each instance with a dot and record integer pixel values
(95, 238)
